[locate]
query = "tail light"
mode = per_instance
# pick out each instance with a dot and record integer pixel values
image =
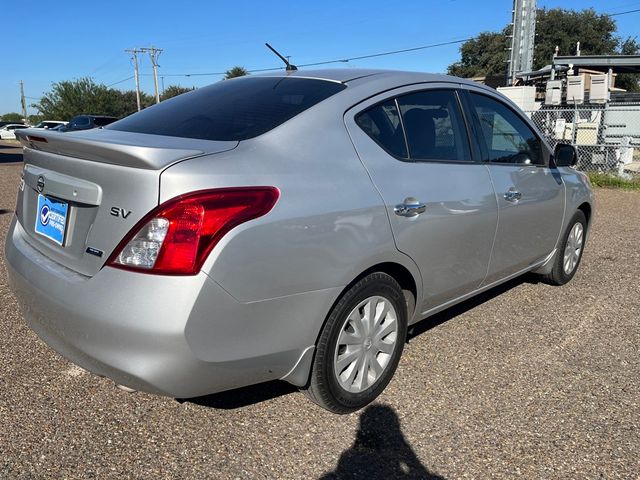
(177, 237)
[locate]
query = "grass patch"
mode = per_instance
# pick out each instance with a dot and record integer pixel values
(613, 181)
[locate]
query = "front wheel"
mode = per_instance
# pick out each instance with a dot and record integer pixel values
(360, 345)
(569, 253)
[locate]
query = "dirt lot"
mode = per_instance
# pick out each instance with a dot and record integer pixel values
(528, 380)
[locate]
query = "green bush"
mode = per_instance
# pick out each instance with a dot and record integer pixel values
(612, 181)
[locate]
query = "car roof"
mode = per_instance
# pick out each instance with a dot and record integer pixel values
(345, 75)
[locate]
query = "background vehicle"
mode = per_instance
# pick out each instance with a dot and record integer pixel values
(4, 122)
(87, 122)
(50, 124)
(286, 226)
(8, 131)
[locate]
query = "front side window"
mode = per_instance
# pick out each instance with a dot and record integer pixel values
(507, 137)
(434, 126)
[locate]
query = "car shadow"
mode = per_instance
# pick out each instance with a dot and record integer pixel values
(245, 396)
(380, 450)
(10, 157)
(4, 211)
(10, 152)
(463, 307)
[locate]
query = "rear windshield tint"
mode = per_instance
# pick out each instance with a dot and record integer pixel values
(231, 109)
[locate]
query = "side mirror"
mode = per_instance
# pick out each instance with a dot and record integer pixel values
(565, 155)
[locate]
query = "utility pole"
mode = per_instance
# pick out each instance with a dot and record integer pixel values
(23, 101)
(154, 53)
(522, 38)
(134, 57)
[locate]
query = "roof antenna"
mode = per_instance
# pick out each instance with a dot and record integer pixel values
(290, 68)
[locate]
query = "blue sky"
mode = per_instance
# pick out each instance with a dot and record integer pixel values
(61, 40)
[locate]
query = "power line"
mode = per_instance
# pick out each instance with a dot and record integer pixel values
(382, 54)
(341, 60)
(623, 13)
(326, 62)
(120, 81)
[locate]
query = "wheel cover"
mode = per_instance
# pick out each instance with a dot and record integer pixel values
(573, 248)
(367, 341)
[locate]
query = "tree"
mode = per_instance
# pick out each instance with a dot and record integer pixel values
(173, 91)
(35, 119)
(236, 71)
(69, 98)
(12, 117)
(564, 28)
(487, 54)
(74, 97)
(629, 81)
(125, 103)
(481, 56)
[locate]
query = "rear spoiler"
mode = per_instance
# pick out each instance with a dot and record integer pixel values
(135, 150)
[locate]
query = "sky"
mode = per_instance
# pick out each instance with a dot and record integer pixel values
(48, 42)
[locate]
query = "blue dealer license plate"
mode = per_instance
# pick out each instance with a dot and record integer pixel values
(51, 218)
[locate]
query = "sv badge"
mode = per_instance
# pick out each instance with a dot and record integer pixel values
(120, 212)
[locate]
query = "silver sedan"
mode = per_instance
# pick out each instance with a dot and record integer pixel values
(288, 226)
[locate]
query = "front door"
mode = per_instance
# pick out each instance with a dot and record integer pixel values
(530, 194)
(440, 203)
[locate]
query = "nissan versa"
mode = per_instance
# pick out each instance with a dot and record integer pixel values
(287, 226)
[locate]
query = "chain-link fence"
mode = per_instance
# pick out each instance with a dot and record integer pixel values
(607, 137)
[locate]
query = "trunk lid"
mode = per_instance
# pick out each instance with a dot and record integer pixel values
(98, 184)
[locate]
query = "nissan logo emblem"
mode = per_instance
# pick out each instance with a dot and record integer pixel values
(40, 184)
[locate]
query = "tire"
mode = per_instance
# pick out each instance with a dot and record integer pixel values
(348, 346)
(560, 274)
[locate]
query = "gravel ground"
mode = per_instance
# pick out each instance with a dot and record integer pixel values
(527, 380)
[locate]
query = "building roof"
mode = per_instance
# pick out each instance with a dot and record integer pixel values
(617, 63)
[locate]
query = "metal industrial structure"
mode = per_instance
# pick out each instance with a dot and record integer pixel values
(522, 38)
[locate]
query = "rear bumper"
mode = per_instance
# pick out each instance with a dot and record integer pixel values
(175, 336)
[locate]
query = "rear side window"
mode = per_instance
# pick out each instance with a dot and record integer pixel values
(231, 109)
(434, 126)
(80, 122)
(101, 121)
(507, 137)
(382, 123)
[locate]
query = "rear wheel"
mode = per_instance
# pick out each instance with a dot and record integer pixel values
(569, 254)
(360, 345)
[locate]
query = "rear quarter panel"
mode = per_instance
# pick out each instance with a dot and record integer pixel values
(328, 226)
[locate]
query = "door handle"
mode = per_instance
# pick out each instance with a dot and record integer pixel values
(512, 195)
(410, 208)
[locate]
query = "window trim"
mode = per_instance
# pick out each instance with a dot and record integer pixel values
(455, 88)
(482, 141)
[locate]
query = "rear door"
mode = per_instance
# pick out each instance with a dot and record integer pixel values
(530, 194)
(440, 202)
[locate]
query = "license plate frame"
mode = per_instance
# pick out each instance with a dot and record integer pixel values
(52, 217)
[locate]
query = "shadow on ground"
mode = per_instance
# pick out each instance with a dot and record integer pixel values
(253, 394)
(10, 153)
(242, 397)
(463, 307)
(380, 451)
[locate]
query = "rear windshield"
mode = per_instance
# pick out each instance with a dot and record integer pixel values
(231, 109)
